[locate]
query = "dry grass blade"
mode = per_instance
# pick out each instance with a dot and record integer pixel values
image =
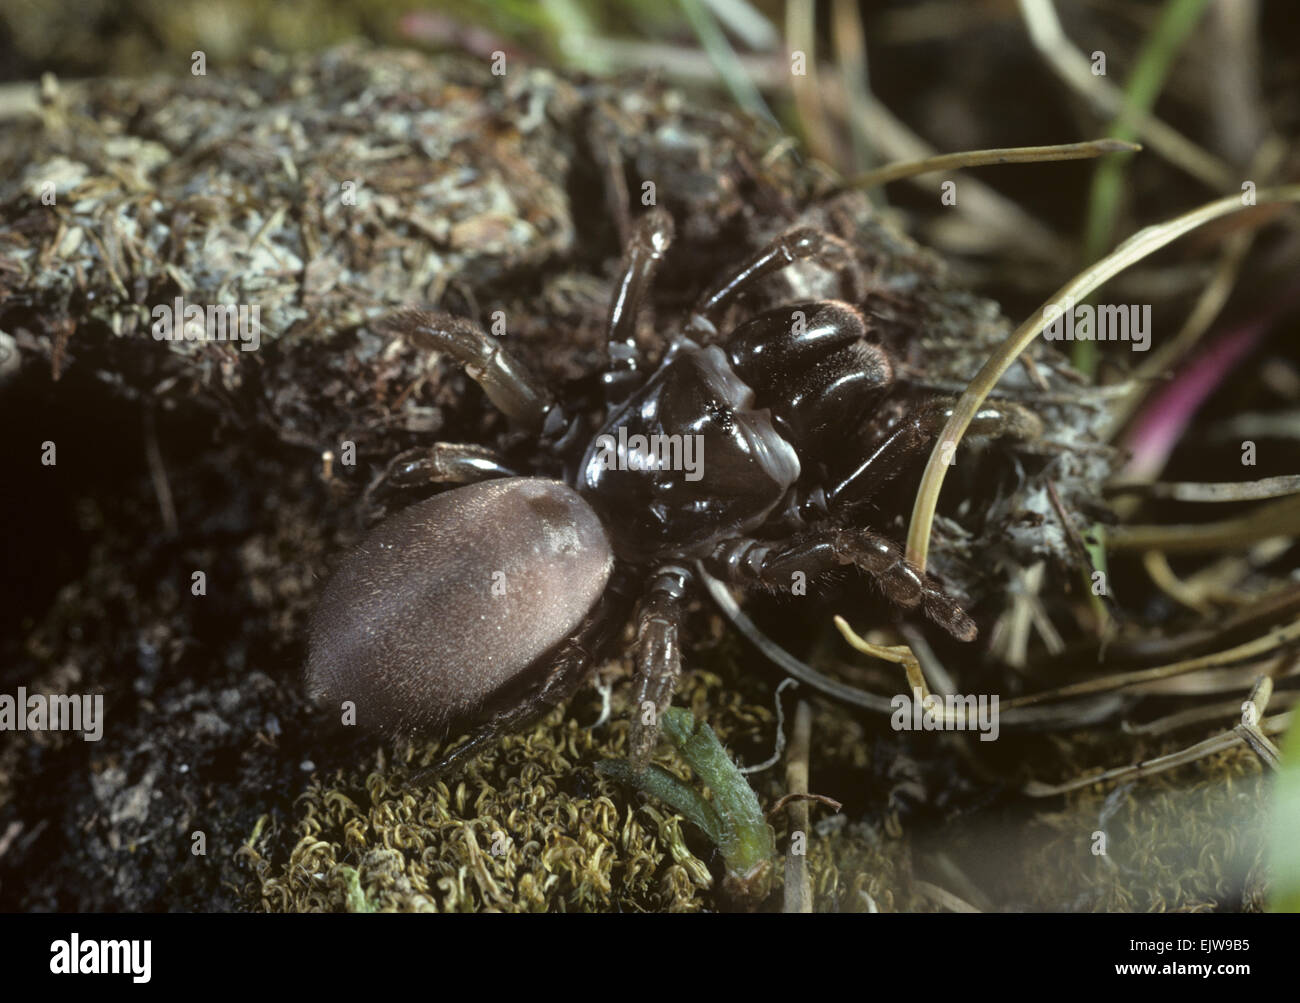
(1012, 228)
(779, 656)
(981, 158)
(1075, 70)
(801, 31)
(1200, 715)
(849, 39)
(1162, 576)
(1275, 725)
(1196, 491)
(899, 654)
(1280, 519)
(1137, 247)
(1270, 643)
(729, 65)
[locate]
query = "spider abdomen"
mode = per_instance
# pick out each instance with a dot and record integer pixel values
(453, 599)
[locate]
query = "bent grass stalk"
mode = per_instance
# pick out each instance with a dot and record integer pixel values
(1140, 245)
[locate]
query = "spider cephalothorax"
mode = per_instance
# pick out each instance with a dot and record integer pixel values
(486, 605)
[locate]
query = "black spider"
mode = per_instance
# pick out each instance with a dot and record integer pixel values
(486, 605)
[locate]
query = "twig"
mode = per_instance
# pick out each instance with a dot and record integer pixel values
(791, 798)
(1251, 712)
(798, 885)
(1267, 752)
(1276, 724)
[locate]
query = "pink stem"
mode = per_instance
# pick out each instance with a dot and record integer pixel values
(1161, 424)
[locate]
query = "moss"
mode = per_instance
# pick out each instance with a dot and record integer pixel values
(528, 826)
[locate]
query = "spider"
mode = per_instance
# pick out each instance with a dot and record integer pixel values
(486, 605)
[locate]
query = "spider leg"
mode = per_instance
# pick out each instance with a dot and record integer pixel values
(650, 239)
(801, 244)
(515, 391)
(658, 657)
(812, 365)
(441, 463)
(888, 457)
(915, 433)
(563, 677)
(748, 562)
(767, 347)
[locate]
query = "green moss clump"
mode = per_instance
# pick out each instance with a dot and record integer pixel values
(530, 826)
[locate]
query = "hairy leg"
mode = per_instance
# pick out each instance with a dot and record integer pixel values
(658, 657)
(743, 561)
(891, 454)
(650, 239)
(441, 463)
(445, 463)
(513, 390)
(802, 244)
(887, 458)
